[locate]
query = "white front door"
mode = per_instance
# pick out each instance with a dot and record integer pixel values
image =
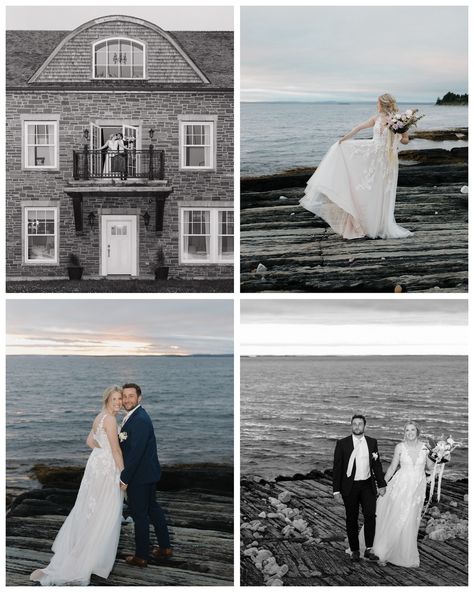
(119, 245)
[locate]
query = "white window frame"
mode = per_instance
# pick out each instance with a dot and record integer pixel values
(212, 146)
(27, 261)
(143, 46)
(214, 258)
(54, 123)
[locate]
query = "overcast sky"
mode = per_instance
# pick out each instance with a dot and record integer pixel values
(354, 327)
(169, 18)
(119, 327)
(319, 53)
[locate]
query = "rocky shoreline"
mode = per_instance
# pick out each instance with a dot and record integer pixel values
(295, 251)
(293, 534)
(197, 499)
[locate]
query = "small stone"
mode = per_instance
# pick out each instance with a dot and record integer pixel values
(261, 268)
(292, 214)
(262, 515)
(465, 497)
(464, 189)
(398, 289)
(284, 497)
(315, 574)
(282, 198)
(453, 504)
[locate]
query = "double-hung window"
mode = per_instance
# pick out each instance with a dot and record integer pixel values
(41, 234)
(40, 144)
(206, 235)
(197, 144)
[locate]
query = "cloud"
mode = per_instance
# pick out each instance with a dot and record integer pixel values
(119, 327)
(334, 53)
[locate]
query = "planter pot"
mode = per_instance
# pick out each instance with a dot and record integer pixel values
(75, 273)
(161, 273)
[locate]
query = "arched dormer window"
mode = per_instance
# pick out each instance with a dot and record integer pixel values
(118, 58)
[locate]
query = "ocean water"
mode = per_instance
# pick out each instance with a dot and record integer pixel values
(51, 402)
(293, 409)
(278, 136)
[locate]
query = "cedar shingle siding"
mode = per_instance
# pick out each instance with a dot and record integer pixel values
(193, 77)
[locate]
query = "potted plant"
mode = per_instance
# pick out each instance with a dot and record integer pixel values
(161, 270)
(74, 267)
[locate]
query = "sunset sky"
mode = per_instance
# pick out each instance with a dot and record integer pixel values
(352, 53)
(354, 327)
(119, 327)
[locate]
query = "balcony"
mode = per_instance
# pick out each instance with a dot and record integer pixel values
(132, 173)
(89, 165)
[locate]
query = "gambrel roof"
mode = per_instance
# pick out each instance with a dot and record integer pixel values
(31, 56)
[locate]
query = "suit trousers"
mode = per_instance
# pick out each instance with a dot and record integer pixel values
(145, 509)
(362, 494)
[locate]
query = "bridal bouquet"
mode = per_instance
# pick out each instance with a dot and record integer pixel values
(440, 453)
(399, 123)
(129, 141)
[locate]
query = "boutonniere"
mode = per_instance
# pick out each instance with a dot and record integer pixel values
(123, 436)
(375, 456)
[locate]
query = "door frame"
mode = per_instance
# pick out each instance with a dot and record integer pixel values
(133, 218)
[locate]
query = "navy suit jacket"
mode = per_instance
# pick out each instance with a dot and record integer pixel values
(140, 457)
(342, 454)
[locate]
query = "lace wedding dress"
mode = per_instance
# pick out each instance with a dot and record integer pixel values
(399, 511)
(354, 188)
(87, 541)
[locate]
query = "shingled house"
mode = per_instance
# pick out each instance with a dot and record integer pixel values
(166, 99)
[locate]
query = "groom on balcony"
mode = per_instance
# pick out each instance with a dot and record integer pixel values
(140, 476)
(357, 472)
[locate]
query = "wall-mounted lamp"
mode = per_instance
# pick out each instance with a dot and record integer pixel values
(146, 219)
(151, 133)
(86, 134)
(91, 218)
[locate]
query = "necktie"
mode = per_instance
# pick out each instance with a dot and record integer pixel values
(352, 458)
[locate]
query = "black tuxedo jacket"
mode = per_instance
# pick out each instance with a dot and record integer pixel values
(139, 450)
(341, 482)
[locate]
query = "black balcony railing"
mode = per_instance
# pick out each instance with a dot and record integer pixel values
(111, 164)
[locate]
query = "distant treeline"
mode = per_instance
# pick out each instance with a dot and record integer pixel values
(452, 99)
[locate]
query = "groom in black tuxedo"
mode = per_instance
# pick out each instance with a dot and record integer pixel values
(140, 476)
(357, 472)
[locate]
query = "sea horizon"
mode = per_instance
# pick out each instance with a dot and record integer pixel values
(51, 402)
(295, 408)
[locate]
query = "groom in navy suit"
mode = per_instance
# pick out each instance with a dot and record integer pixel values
(140, 476)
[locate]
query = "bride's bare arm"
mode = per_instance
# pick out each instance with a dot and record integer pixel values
(110, 426)
(405, 138)
(366, 124)
(394, 464)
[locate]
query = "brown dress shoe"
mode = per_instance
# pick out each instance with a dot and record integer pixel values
(138, 561)
(159, 553)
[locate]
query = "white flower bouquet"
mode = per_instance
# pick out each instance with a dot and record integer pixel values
(399, 123)
(439, 452)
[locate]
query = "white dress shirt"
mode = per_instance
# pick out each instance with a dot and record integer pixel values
(362, 460)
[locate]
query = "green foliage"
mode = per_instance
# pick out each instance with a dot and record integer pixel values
(451, 98)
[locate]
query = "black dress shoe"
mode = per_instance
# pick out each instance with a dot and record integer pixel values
(370, 555)
(355, 556)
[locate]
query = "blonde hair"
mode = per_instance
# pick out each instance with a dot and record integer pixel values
(110, 390)
(388, 104)
(413, 423)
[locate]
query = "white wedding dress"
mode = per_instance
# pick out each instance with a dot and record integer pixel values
(399, 511)
(87, 541)
(354, 187)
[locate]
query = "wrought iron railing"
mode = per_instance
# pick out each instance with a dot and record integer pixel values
(112, 164)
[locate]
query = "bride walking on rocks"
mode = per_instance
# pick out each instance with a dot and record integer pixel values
(354, 188)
